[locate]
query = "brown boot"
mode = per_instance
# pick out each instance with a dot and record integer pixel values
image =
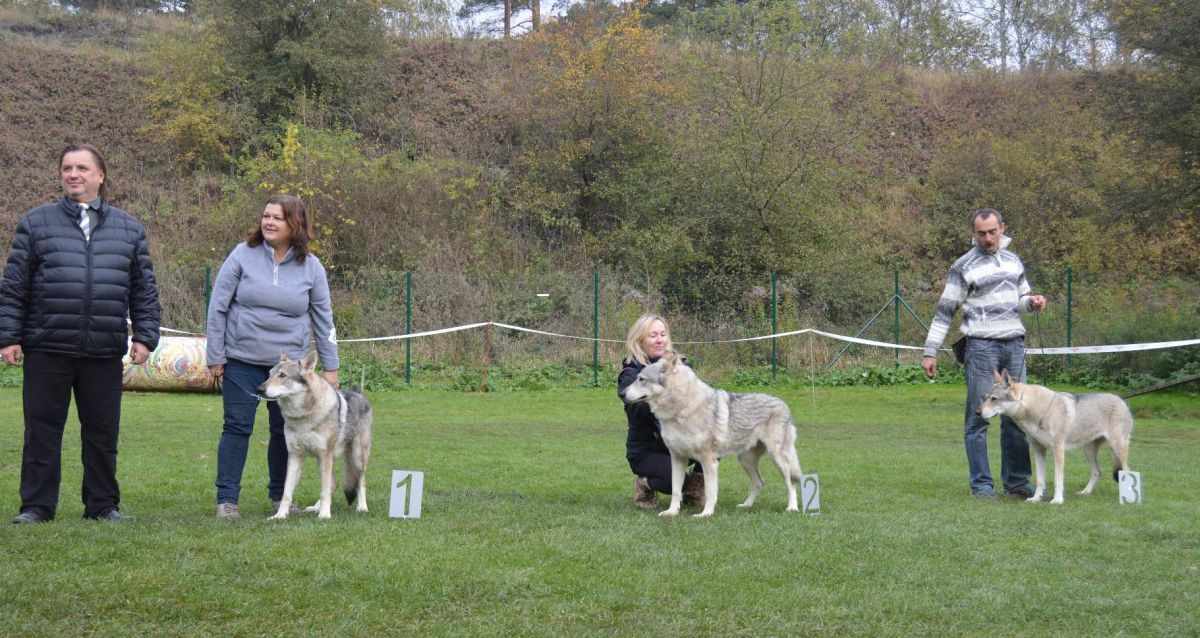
(643, 496)
(693, 489)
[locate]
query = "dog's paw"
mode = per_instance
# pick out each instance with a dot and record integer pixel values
(744, 504)
(362, 509)
(703, 514)
(278, 517)
(674, 512)
(1056, 501)
(324, 515)
(1033, 499)
(793, 509)
(313, 508)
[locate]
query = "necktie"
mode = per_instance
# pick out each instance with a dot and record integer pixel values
(85, 222)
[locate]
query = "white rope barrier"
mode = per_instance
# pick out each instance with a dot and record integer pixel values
(1129, 347)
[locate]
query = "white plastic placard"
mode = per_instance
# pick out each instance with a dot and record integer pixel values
(1130, 486)
(407, 488)
(810, 494)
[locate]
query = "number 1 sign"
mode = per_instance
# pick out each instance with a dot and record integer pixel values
(407, 488)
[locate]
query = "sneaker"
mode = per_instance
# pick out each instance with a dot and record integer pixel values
(29, 516)
(985, 494)
(1019, 492)
(111, 516)
(292, 509)
(227, 511)
(643, 496)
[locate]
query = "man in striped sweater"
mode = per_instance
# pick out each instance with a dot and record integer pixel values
(989, 284)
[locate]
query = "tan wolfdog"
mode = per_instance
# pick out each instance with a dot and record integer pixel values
(1063, 421)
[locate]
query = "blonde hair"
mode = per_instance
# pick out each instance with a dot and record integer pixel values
(638, 332)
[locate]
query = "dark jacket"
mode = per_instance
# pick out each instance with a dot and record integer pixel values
(645, 434)
(65, 295)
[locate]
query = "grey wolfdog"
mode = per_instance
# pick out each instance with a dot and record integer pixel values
(322, 422)
(703, 423)
(1063, 421)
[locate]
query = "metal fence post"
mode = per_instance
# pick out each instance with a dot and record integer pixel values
(1070, 274)
(896, 313)
(408, 327)
(596, 328)
(774, 325)
(207, 290)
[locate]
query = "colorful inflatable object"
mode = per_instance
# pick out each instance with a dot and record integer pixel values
(177, 365)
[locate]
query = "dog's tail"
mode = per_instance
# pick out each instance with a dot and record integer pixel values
(350, 476)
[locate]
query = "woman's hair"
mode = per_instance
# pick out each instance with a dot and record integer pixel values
(638, 332)
(99, 157)
(296, 216)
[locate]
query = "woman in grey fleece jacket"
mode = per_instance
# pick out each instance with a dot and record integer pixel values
(271, 296)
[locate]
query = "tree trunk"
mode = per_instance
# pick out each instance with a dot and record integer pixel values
(507, 18)
(536, 6)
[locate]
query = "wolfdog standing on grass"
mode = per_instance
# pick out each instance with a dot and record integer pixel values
(322, 422)
(1064, 422)
(703, 423)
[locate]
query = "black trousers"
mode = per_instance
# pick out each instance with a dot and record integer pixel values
(50, 380)
(656, 467)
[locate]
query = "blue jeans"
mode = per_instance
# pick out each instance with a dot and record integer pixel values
(241, 380)
(982, 357)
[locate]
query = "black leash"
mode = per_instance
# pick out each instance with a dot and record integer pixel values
(221, 381)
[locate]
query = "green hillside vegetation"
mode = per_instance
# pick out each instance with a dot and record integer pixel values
(683, 154)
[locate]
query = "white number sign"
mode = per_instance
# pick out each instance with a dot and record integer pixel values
(810, 493)
(1130, 487)
(407, 488)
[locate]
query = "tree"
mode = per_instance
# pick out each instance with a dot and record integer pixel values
(1161, 98)
(930, 34)
(507, 9)
(594, 112)
(326, 51)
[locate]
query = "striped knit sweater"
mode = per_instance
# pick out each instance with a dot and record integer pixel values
(991, 290)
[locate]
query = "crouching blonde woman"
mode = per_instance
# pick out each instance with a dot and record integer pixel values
(648, 457)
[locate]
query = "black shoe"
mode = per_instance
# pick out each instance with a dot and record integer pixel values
(112, 516)
(29, 516)
(1019, 492)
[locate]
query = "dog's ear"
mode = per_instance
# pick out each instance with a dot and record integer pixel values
(283, 357)
(996, 375)
(309, 362)
(669, 359)
(1007, 379)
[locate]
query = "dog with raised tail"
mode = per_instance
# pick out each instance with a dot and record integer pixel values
(1062, 421)
(322, 422)
(703, 423)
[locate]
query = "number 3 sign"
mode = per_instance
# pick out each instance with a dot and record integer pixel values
(1130, 485)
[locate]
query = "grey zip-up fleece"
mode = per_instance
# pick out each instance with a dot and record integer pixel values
(992, 291)
(259, 309)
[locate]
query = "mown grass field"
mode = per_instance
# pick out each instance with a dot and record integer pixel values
(528, 529)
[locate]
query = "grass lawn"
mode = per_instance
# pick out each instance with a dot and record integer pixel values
(528, 528)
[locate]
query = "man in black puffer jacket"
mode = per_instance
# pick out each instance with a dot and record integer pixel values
(79, 270)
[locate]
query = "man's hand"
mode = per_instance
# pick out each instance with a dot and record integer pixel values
(217, 371)
(1037, 302)
(12, 354)
(332, 377)
(929, 365)
(138, 353)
